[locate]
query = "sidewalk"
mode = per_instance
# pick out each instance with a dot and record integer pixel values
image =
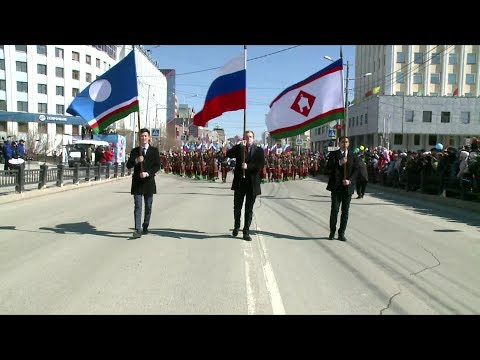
(436, 199)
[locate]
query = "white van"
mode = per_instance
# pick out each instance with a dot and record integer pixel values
(76, 152)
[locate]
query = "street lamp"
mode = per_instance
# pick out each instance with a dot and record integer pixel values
(183, 119)
(346, 92)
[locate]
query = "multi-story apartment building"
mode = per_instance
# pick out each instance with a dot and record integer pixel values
(38, 83)
(415, 97)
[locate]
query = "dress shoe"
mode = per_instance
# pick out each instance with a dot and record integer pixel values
(137, 234)
(145, 231)
(247, 237)
(331, 236)
(235, 232)
(342, 237)
(359, 197)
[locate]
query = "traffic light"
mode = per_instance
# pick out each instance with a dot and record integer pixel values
(339, 127)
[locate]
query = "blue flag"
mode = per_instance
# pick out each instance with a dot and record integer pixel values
(110, 97)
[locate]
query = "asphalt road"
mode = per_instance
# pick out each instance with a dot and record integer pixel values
(71, 252)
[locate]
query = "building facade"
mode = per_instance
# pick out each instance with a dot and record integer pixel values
(417, 96)
(38, 83)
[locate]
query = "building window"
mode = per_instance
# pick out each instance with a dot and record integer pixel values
(42, 50)
(433, 94)
(22, 106)
(42, 128)
(75, 92)
(88, 77)
(22, 127)
(22, 86)
(97, 61)
(400, 57)
(417, 78)
(21, 66)
(432, 139)
(58, 53)
(41, 69)
(470, 79)
(42, 108)
(465, 117)
(3, 107)
(398, 139)
(42, 88)
(416, 139)
(435, 78)
(436, 58)
(452, 59)
(409, 114)
(445, 117)
(60, 90)
(400, 77)
(60, 109)
(60, 129)
(366, 118)
(88, 59)
(418, 58)
(2, 64)
(361, 120)
(75, 75)
(427, 116)
(75, 56)
(471, 58)
(3, 85)
(75, 131)
(21, 48)
(59, 72)
(356, 121)
(452, 78)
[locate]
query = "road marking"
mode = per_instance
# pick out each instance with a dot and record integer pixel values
(248, 256)
(271, 282)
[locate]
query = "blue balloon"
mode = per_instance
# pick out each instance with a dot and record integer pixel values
(439, 147)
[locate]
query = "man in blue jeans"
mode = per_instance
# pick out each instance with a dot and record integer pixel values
(145, 159)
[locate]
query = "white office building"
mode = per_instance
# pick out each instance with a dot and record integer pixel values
(416, 97)
(38, 83)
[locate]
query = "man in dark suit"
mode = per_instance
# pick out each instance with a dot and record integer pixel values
(362, 179)
(342, 167)
(145, 159)
(250, 160)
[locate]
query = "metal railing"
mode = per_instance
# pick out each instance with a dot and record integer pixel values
(59, 175)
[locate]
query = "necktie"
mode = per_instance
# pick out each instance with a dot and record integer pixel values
(144, 151)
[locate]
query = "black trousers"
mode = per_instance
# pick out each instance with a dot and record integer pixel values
(339, 198)
(238, 197)
(361, 186)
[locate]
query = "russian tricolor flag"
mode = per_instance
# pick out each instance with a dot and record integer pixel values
(228, 92)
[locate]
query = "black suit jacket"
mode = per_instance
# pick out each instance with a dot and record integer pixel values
(151, 164)
(255, 163)
(336, 172)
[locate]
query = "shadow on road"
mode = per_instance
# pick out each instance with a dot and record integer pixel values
(286, 236)
(85, 228)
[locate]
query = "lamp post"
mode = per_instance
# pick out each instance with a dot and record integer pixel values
(183, 119)
(347, 65)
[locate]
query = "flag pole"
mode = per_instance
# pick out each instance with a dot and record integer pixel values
(345, 114)
(138, 120)
(245, 109)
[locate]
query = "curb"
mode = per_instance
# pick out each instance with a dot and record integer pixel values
(33, 193)
(435, 199)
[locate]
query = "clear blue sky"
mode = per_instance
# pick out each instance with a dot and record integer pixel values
(269, 71)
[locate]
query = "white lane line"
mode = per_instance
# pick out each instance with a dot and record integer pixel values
(248, 256)
(271, 282)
